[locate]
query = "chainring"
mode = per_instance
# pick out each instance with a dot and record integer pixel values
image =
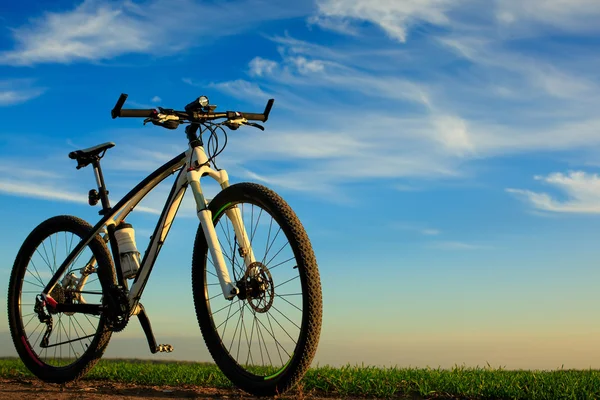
(118, 310)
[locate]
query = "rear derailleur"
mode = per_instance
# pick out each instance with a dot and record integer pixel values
(44, 318)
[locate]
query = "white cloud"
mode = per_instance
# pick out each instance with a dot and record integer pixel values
(339, 25)
(242, 89)
(577, 16)
(394, 17)
(509, 18)
(36, 191)
(534, 72)
(18, 91)
(425, 108)
(452, 132)
(91, 31)
(156, 99)
(8, 167)
(297, 70)
(305, 66)
(393, 127)
(581, 190)
(32, 190)
(97, 30)
(260, 66)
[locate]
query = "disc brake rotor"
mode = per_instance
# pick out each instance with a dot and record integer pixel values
(257, 287)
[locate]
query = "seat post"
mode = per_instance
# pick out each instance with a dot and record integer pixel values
(103, 193)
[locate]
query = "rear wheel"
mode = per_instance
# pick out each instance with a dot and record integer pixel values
(64, 346)
(266, 337)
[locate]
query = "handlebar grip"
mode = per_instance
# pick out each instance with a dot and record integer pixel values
(255, 117)
(137, 113)
(116, 111)
(260, 117)
(268, 109)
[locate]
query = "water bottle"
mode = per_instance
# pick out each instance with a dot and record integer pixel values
(128, 253)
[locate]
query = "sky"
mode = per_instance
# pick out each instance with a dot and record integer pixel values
(443, 156)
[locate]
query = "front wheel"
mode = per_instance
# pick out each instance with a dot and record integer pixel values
(266, 337)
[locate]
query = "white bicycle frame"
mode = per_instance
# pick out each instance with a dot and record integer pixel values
(192, 166)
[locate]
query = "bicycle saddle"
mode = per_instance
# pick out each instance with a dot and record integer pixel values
(86, 156)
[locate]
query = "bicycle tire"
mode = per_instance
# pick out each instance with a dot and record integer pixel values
(42, 366)
(288, 375)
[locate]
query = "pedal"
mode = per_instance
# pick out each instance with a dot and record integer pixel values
(145, 322)
(164, 348)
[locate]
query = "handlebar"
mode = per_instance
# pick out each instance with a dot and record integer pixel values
(194, 116)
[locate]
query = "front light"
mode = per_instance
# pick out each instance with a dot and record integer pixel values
(203, 101)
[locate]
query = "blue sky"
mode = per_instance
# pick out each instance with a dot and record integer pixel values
(443, 156)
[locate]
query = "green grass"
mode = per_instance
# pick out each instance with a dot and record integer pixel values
(360, 381)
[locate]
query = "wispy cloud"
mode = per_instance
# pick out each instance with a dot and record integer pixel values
(455, 245)
(35, 191)
(239, 88)
(97, 30)
(156, 99)
(18, 91)
(294, 70)
(23, 189)
(60, 182)
(508, 17)
(405, 128)
(575, 16)
(423, 118)
(416, 228)
(260, 66)
(581, 192)
(394, 17)
(7, 168)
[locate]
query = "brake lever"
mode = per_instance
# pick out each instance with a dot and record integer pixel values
(262, 128)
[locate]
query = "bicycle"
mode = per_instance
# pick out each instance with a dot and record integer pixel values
(79, 291)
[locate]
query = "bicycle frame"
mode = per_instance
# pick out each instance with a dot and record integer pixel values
(192, 166)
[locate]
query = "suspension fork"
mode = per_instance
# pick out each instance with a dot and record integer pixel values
(198, 167)
(244, 244)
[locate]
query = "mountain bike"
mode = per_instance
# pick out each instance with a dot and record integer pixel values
(255, 280)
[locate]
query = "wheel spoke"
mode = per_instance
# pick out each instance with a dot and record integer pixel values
(281, 326)
(272, 333)
(256, 227)
(281, 263)
(251, 336)
(260, 333)
(290, 303)
(289, 280)
(271, 245)
(276, 254)
(60, 237)
(38, 277)
(236, 329)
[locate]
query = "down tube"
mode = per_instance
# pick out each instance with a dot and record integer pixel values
(119, 212)
(158, 237)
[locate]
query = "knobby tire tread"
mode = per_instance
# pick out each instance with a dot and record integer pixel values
(106, 275)
(312, 299)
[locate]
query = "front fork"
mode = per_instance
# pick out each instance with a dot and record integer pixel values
(198, 158)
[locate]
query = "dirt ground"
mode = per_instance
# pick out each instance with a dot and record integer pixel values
(35, 389)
